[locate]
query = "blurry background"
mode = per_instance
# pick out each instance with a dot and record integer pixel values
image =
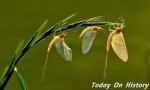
(19, 19)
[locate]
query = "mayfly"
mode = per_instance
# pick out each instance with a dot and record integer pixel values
(116, 39)
(62, 49)
(89, 35)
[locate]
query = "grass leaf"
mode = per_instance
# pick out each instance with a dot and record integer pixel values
(38, 32)
(3, 75)
(69, 17)
(95, 19)
(21, 80)
(17, 52)
(63, 22)
(56, 28)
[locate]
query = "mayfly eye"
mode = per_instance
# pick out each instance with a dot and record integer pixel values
(62, 35)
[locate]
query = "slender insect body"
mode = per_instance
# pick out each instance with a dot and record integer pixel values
(116, 40)
(109, 41)
(62, 49)
(52, 42)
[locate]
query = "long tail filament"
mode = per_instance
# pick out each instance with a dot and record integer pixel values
(105, 67)
(45, 64)
(107, 52)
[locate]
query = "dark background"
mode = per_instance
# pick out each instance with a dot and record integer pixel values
(19, 19)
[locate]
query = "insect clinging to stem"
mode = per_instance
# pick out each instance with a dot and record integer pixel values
(116, 40)
(62, 49)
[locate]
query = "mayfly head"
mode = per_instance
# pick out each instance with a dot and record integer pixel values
(118, 30)
(96, 28)
(120, 26)
(62, 35)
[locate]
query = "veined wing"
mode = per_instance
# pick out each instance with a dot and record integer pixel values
(119, 46)
(67, 52)
(63, 49)
(87, 40)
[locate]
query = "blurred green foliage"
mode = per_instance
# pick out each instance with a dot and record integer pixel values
(19, 19)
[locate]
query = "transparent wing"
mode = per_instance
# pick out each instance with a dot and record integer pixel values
(119, 46)
(67, 52)
(87, 40)
(63, 49)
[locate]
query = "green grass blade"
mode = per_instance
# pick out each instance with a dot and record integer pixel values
(21, 80)
(36, 35)
(69, 17)
(63, 22)
(38, 32)
(16, 54)
(55, 28)
(19, 47)
(95, 19)
(3, 75)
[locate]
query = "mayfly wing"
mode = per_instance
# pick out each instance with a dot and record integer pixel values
(119, 46)
(63, 49)
(87, 40)
(59, 47)
(67, 52)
